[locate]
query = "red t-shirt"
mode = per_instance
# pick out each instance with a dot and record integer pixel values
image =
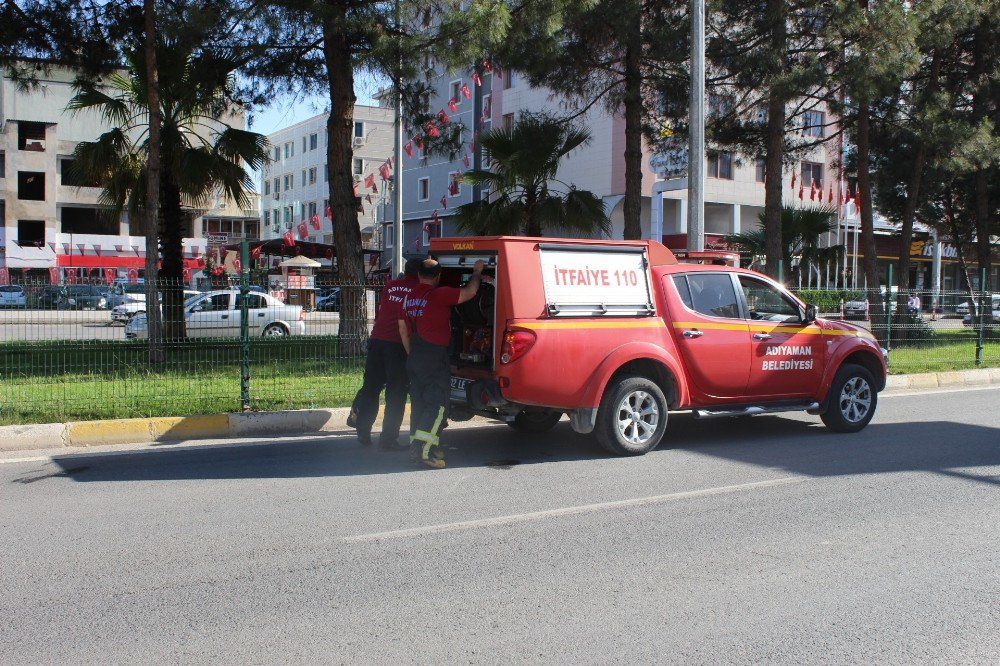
(429, 308)
(390, 309)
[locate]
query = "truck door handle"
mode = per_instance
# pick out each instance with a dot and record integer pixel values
(693, 334)
(761, 336)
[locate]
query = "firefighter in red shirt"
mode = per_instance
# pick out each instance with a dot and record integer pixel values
(385, 366)
(426, 334)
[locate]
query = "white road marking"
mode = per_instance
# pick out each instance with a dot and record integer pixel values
(519, 518)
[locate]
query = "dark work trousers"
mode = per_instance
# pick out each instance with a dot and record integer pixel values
(385, 367)
(429, 371)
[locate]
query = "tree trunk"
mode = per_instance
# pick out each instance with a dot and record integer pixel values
(157, 355)
(981, 177)
(343, 205)
(869, 256)
(775, 142)
(172, 227)
(531, 226)
(632, 208)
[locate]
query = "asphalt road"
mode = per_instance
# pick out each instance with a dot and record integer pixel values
(754, 541)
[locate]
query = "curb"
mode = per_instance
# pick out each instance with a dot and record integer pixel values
(306, 421)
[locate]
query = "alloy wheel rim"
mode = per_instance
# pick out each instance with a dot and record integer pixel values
(637, 416)
(855, 400)
(275, 332)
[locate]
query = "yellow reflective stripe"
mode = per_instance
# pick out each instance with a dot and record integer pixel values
(437, 422)
(762, 328)
(712, 326)
(424, 436)
(574, 325)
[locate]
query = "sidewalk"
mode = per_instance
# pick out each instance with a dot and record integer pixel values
(308, 421)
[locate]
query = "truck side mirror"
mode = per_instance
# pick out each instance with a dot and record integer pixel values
(810, 313)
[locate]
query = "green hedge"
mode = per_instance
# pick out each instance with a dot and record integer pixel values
(828, 300)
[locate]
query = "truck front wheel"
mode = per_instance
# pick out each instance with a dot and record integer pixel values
(852, 399)
(535, 421)
(632, 416)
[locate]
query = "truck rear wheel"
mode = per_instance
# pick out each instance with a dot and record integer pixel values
(632, 416)
(852, 399)
(535, 421)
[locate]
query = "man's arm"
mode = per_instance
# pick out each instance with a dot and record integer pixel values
(404, 334)
(467, 292)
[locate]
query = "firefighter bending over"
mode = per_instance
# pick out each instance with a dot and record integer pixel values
(426, 333)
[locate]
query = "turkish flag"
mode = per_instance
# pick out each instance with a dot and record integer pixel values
(475, 79)
(452, 105)
(315, 222)
(444, 201)
(465, 91)
(857, 196)
(54, 275)
(289, 238)
(408, 148)
(384, 171)
(355, 196)
(453, 187)
(432, 131)
(370, 180)
(418, 141)
(303, 229)
(443, 117)
(486, 66)
(329, 215)
(465, 161)
(801, 190)
(238, 265)
(201, 262)
(829, 197)
(255, 252)
(793, 180)
(109, 275)
(434, 217)
(187, 275)
(812, 191)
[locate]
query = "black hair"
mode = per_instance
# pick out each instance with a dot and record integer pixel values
(411, 267)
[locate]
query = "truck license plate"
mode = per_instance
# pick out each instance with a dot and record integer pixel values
(458, 385)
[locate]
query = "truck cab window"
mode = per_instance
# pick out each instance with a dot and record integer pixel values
(766, 303)
(712, 294)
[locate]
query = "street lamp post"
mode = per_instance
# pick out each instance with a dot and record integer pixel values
(696, 140)
(397, 184)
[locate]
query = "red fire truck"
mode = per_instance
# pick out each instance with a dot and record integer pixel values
(617, 333)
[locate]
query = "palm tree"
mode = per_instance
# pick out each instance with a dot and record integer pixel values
(524, 195)
(201, 156)
(802, 230)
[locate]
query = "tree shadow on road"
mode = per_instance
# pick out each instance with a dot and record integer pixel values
(793, 445)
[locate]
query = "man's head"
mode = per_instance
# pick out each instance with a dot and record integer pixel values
(429, 272)
(411, 267)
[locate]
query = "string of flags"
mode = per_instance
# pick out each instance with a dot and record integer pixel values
(816, 193)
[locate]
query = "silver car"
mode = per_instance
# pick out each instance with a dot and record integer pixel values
(217, 314)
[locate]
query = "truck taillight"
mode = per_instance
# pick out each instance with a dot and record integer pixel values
(515, 345)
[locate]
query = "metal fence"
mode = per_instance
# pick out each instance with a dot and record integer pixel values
(79, 351)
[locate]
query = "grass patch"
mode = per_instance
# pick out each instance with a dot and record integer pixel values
(947, 349)
(77, 381)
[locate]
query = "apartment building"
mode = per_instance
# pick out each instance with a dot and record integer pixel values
(52, 228)
(295, 182)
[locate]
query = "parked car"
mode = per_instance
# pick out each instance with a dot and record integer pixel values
(47, 298)
(122, 293)
(82, 297)
(963, 307)
(12, 296)
(994, 311)
(216, 314)
(123, 313)
(330, 302)
(859, 308)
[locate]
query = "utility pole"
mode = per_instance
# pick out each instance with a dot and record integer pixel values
(696, 141)
(397, 181)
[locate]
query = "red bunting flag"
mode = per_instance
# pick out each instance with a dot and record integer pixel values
(857, 196)
(82, 247)
(453, 187)
(829, 195)
(289, 238)
(303, 229)
(97, 249)
(329, 215)
(109, 275)
(443, 117)
(238, 265)
(812, 191)
(793, 180)
(427, 228)
(465, 91)
(315, 222)
(418, 141)
(802, 188)
(370, 180)
(255, 252)
(355, 195)
(431, 131)
(408, 148)
(452, 105)
(465, 160)
(475, 79)
(444, 201)
(435, 218)
(486, 65)
(54, 275)
(384, 171)
(472, 142)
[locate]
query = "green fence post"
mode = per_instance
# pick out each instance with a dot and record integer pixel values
(244, 326)
(888, 310)
(981, 323)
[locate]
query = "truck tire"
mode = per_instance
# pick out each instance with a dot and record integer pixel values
(852, 399)
(535, 421)
(632, 416)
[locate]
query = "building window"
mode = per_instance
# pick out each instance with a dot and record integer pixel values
(812, 174)
(305, 145)
(359, 130)
(31, 233)
(812, 123)
(288, 216)
(277, 187)
(454, 184)
(456, 91)
(288, 181)
(508, 121)
(267, 187)
(508, 78)
(720, 164)
(31, 185)
(326, 173)
(423, 189)
(267, 218)
(359, 166)
(760, 169)
(68, 177)
(31, 136)
(312, 209)
(88, 221)
(390, 236)
(313, 141)
(277, 154)
(312, 176)
(3, 164)
(487, 107)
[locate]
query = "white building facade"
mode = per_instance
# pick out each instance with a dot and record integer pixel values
(295, 182)
(53, 229)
